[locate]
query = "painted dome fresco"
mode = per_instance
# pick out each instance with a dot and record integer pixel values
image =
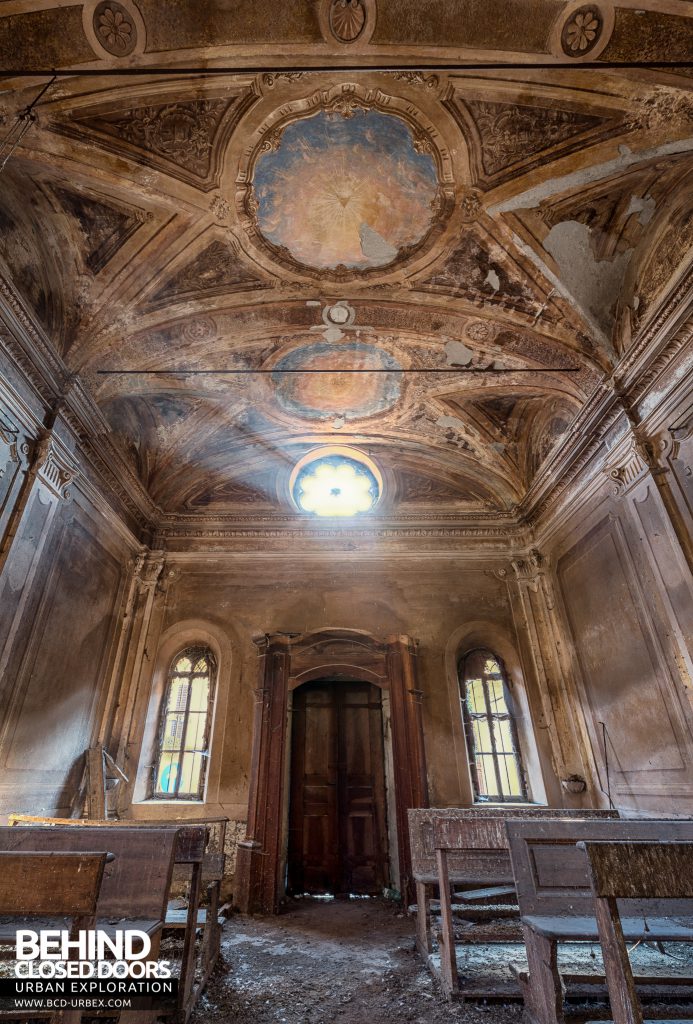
(318, 394)
(345, 191)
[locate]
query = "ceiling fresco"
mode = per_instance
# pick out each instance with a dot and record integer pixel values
(485, 244)
(304, 382)
(345, 191)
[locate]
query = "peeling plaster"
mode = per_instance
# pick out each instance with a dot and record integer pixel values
(457, 354)
(452, 422)
(533, 197)
(493, 280)
(594, 284)
(597, 329)
(644, 206)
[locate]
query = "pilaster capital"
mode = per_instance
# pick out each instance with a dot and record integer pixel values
(55, 468)
(528, 568)
(148, 569)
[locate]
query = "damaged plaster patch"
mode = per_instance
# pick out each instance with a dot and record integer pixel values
(457, 354)
(453, 423)
(374, 247)
(594, 284)
(644, 206)
(588, 175)
(493, 280)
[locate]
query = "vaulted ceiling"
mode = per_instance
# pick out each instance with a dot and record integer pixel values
(501, 236)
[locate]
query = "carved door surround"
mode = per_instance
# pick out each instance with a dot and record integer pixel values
(286, 662)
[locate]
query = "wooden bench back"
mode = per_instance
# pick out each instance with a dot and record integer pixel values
(191, 840)
(486, 864)
(135, 884)
(66, 884)
(197, 841)
(662, 870)
(551, 871)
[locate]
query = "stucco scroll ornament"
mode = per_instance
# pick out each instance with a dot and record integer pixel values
(55, 470)
(149, 569)
(635, 463)
(528, 569)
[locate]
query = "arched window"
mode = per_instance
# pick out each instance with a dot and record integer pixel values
(179, 773)
(490, 731)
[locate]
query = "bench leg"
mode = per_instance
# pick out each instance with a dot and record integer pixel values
(143, 1016)
(448, 953)
(544, 991)
(186, 993)
(423, 919)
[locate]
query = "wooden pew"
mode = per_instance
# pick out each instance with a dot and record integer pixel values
(480, 840)
(557, 905)
(212, 875)
(205, 865)
(619, 871)
(135, 886)
(64, 885)
(468, 866)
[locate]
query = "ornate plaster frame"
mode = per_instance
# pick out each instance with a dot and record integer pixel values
(344, 99)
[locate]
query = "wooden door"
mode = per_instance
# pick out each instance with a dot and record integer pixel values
(337, 818)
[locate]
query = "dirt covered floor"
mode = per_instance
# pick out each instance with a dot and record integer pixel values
(337, 962)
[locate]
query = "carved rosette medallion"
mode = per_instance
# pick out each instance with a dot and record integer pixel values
(114, 28)
(584, 29)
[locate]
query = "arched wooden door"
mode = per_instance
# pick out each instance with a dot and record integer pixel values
(288, 662)
(337, 803)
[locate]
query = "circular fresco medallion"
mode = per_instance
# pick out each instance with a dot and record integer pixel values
(351, 192)
(318, 396)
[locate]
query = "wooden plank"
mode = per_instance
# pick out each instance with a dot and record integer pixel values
(493, 871)
(135, 884)
(632, 870)
(65, 884)
(96, 782)
(662, 871)
(486, 895)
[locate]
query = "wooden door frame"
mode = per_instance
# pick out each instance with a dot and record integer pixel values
(285, 662)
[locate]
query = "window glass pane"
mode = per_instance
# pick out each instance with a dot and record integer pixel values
(178, 696)
(182, 754)
(488, 772)
(482, 735)
(489, 728)
(168, 768)
(200, 693)
(195, 733)
(173, 732)
(510, 778)
(503, 736)
(496, 692)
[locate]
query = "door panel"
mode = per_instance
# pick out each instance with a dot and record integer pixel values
(337, 821)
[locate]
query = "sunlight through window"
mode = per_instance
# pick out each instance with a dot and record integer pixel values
(336, 485)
